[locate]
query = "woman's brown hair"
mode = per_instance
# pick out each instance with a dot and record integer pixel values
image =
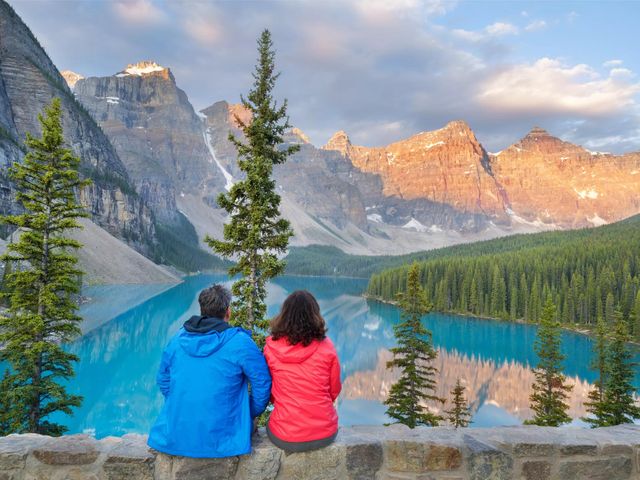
(299, 320)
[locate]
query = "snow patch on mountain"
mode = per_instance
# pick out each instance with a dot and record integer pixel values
(597, 221)
(582, 194)
(141, 68)
(227, 176)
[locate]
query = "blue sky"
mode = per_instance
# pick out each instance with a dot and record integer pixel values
(381, 69)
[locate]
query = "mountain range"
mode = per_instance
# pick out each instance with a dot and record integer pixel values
(158, 166)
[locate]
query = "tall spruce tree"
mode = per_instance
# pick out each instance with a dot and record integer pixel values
(256, 233)
(550, 390)
(459, 415)
(617, 404)
(599, 364)
(42, 287)
(414, 356)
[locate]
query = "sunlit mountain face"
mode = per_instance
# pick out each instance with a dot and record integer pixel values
(119, 359)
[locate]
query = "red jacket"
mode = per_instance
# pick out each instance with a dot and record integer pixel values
(306, 382)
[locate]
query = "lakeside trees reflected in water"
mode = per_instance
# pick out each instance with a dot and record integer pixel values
(119, 359)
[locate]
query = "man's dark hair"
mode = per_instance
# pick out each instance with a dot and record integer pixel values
(214, 301)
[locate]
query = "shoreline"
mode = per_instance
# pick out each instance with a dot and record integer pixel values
(581, 329)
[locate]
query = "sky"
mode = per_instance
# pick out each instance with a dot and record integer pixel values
(380, 70)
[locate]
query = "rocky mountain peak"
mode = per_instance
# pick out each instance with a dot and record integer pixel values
(300, 134)
(71, 77)
(539, 140)
(460, 126)
(537, 132)
(339, 141)
(144, 68)
(238, 111)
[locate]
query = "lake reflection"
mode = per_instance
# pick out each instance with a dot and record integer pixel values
(116, 374)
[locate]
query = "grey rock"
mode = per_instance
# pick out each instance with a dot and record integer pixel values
(204, 468)
(487, 462)
(68, 450)
(129, 458)
(536, 470)
(323, 464)
(616, 468)
(263, 463)
(28, 81)
(363, 460)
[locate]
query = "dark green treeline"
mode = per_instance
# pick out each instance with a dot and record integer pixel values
(586, 273)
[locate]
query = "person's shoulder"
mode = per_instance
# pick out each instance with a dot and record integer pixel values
(240, 336)
(175, 338)
(327, 345)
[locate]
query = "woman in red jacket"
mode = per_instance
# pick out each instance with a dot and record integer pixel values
(305, 373)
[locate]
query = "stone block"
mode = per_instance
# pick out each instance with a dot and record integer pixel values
(184, 468)
(14, 450)
(614, 468)
(487, 462)
(578, 449)
(616, 449)
(403, 476)
(262, 464)
(536, 470)
(323, 464)
(127, 460)
(363, 461)
(533, 449)
(68, 450)
(413, 456)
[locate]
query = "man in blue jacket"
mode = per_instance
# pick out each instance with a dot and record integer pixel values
(204, 375)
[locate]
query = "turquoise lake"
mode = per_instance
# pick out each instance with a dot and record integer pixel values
(120, 354)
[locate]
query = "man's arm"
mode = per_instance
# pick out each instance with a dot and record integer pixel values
(163, 379)
(255, 368)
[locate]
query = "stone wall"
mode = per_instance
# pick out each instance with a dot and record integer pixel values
(360, 453)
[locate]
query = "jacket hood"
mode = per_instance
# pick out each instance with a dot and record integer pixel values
(202, 336)
(287, 353)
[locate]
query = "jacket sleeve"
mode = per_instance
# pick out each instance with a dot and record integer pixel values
(163, 379)
(335, 384)
(255, 368)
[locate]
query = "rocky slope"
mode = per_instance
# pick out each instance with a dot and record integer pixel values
(540, 181)
(447, 166)
(28, 81)
(331, 200)
(555, 182)
(155, 132)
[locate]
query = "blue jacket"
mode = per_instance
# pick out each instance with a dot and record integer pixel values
(204, 375)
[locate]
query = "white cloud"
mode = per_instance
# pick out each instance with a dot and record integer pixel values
(501, 28)
(612, 63)
(495, 30)
(536, 25)
(550, 87)
(139, 12)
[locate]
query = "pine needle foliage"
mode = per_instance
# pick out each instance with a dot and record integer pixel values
(599, 364)
(256, 234)
(550, 390)
(42, 287)
(617, 404)
(414, 356)
(459, 415)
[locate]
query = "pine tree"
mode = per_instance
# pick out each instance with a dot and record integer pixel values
(42, 287)
(599, 364)
(256, 233)
(549, 389)
(634, 318)
(617, 405)
(460, 414)
(414, 356)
